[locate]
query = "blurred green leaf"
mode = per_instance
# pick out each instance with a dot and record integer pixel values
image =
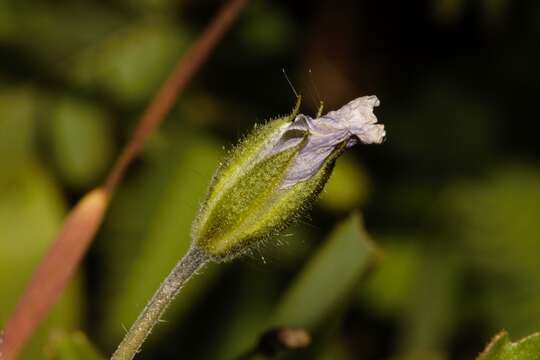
(52, 32)
(389, 289)
(419, 285)
(75, 346)
(430, 312)
(17, 127)
(495, 220)
(483, 214)
(31, 210)
(329, 276)
(321, 288)
(103, 50)
(80, 141)
(501, 348)
(130, 64)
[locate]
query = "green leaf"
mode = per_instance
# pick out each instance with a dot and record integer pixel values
(388, 290)
(39, 29)
(31, 211)
(495, 222)
(501, 348)
(104, 50)
(424, 302)
(431, 311)
(17, 126)
(131, 63)
(73, 347)
(80, 141)
(328, 278)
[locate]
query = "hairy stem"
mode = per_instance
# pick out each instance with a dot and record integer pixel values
(139, 331)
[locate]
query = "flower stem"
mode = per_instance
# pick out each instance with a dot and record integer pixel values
(139, 331)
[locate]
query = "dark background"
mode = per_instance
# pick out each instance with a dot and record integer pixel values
(452, 198)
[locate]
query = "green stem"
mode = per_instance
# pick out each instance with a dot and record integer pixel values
(184, 269)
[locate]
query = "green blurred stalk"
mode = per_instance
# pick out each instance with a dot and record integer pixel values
(149, 317)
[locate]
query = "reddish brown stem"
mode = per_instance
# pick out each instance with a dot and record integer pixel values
(54, 271)
(66, 252)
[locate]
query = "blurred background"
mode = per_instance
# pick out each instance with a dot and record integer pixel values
(451, 201)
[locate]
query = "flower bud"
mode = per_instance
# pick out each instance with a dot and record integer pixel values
(275, 173)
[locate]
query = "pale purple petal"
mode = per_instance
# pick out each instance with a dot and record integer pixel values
(352, 123)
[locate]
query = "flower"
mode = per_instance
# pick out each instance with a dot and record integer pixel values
(275, 173)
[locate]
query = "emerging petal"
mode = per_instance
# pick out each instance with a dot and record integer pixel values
(354, 121)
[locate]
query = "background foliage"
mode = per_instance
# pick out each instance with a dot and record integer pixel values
(451, 200)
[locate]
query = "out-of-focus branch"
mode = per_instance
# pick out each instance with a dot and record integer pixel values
(63, 257)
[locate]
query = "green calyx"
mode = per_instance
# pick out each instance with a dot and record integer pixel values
(245, 203)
